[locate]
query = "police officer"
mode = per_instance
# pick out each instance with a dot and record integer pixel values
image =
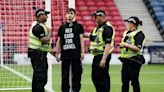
(39, 45)
(71, 46)
(102, 40)
(131, 47)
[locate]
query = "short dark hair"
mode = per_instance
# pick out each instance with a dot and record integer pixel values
(71, 9)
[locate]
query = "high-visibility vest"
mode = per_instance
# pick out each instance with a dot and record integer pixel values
(97, 46)
(126, 52)
(35, 42)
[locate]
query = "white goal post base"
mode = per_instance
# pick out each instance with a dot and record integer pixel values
(48, 86)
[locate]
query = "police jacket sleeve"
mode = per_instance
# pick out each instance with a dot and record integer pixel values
(38, 31)
(139, 38)
(107, 34)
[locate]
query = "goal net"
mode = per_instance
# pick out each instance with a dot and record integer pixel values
(16, 17)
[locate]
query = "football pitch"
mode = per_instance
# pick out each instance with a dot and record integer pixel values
(151, 78)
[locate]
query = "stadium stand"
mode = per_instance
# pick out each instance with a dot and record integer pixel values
(57, 15)
(156, 51)
(139, 9)
(16, 18)
(17, 23)
(156, 9)
(84, 11)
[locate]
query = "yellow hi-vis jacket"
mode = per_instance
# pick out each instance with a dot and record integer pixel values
(97, 46)
(126, 52)
(35, 42)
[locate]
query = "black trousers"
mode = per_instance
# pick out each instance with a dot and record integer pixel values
(130, 72)
(100, 76)
(40, 67)
(76, 68)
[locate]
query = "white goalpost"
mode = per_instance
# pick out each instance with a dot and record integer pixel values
(16, 17)
(15, 68)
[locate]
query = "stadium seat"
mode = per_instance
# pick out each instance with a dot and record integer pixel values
(156, 9)
(79, 18)
(92, 8)
(83, 12)
(119, 23)
(121, 28)
(105, 8)
(110, 3)
(81, 3)
(88, 18)
(117, 18)
(86, 9)
(16, 27)
(90, 28)
(115, 13)
(101, 3)
(90, 3)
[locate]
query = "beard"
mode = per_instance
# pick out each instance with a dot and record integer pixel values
(45, 20)
(70, 18)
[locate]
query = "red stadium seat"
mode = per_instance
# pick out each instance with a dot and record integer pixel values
(121, 28)
(110, 3)
(80, 3)
(115, 13)
(83, 13)
(105, 8)
(90, 28)
(87, 18)
(117, 18)
(119, 23)
(90, 3)
(78, 18)
(100, 3)
(92, 8)
(84, 8)
(117, 39)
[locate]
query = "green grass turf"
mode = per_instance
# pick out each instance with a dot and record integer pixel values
(151, 78)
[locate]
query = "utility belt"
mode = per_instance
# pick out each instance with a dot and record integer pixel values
(138, 59)
(36, 53)
(96, 51)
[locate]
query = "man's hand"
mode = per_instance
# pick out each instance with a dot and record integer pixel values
(123, 45)
(82, 57)
(86, 35)
(55, 54)
(102, 63)
(57, 57)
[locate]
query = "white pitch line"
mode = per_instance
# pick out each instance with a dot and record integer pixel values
(120, 72)
(142, 83)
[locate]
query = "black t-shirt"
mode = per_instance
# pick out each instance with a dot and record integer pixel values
(139, 38)
(107, 33)
(38, 31)
(70, 40)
